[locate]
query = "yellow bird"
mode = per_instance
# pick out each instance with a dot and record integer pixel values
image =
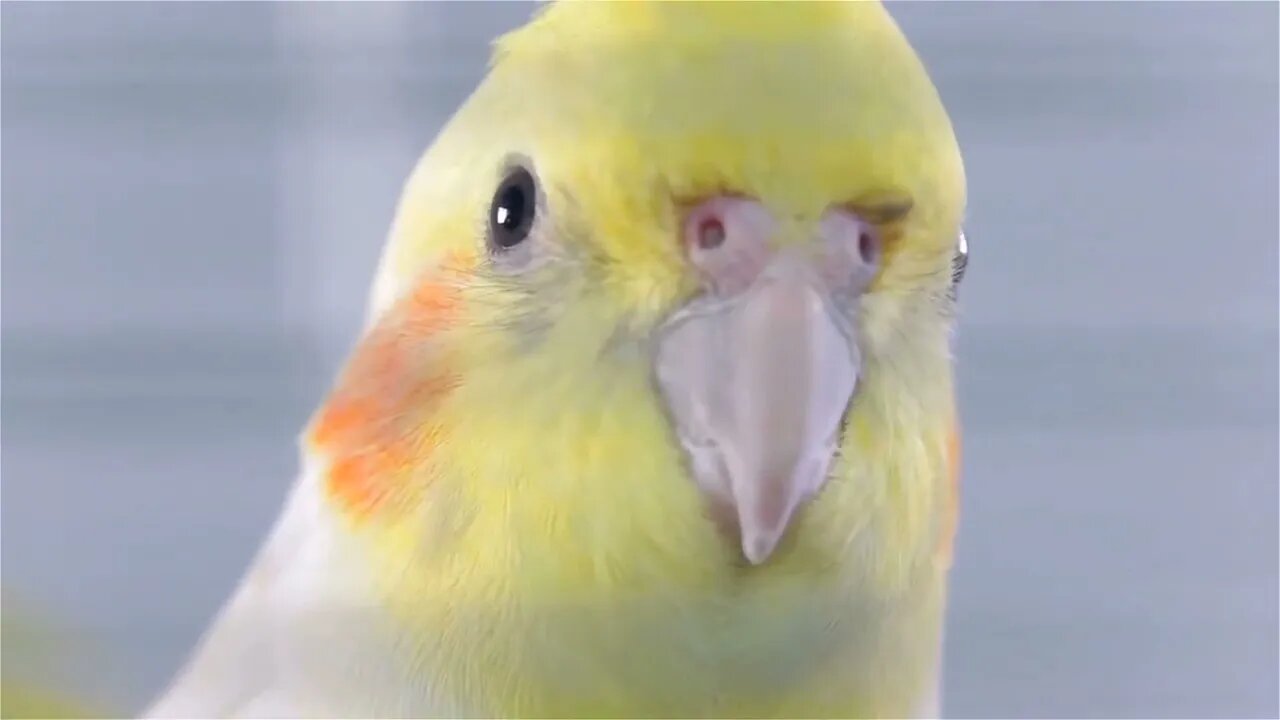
(653, 415)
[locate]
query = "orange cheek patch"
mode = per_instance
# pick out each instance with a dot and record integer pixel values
(361, 482)
(375, 428)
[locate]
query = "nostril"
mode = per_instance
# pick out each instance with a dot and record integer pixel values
(852, 249)
(710, 233)
(727, 241)
(866, 246)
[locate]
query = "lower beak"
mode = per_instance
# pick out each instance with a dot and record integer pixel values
(757, 385)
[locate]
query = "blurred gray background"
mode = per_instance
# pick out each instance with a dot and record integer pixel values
(194, 196)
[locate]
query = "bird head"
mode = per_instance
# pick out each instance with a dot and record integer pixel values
(674, 284)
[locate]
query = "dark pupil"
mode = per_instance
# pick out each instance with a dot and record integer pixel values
(510, 211)
(511, 216)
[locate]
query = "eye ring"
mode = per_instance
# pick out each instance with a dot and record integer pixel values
(513, 209)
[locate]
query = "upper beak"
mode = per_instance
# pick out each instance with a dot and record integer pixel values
(759, 370)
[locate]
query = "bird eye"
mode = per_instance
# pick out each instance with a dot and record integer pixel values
(960, 261)
(514, 206)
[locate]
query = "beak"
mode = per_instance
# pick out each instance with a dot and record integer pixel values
(759, 370)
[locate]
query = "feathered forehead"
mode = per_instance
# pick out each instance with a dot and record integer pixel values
(626, 107)
(800, 103)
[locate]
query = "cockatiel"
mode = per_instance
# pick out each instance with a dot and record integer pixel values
(653, 414)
